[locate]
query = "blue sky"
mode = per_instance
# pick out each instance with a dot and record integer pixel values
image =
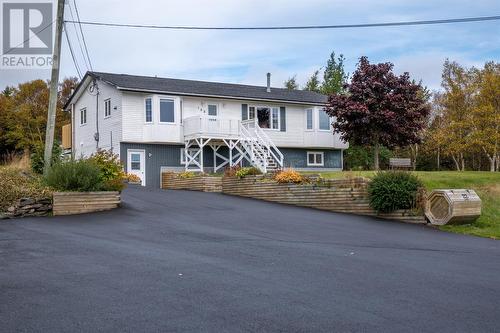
(246, 56)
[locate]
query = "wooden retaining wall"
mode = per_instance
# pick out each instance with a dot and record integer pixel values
(342, 195)
(170, 181)
(70, 203)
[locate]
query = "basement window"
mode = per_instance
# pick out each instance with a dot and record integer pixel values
(315, 158)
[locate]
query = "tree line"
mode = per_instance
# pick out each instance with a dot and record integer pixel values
(23, 116)
(382, 114)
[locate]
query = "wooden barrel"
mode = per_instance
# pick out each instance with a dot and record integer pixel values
(452, 207)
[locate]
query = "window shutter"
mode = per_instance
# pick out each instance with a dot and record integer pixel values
(244, 111)
(283, 119)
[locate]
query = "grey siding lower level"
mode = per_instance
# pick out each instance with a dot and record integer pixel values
(169, 156)
(297, 158)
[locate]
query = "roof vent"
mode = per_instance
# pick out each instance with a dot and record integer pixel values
(268, 82)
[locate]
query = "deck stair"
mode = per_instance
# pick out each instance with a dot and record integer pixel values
(262, 151)
(245, 140)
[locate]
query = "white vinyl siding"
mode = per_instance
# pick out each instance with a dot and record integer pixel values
(110, 130)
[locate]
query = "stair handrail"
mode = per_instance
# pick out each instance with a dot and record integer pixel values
(254, 145)
(275, 152)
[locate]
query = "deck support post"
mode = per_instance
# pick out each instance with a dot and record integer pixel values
(191, 155)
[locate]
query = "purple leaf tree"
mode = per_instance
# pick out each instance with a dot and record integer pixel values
(379, 108)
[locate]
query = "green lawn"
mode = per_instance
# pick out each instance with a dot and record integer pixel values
(486, 184)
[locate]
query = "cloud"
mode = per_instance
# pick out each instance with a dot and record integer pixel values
(246, 56)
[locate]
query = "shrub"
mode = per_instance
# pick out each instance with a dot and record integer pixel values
(115, 184)
(250, 171)
(130, 177)
(37, 156)
(187, 175)
(392, 190)
(289, 176)
(110, 167)
(17, 184)
(75, 175)
(231, 171)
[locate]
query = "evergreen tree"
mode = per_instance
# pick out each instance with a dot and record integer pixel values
(334, 77)
(313, 83)
(291, 83)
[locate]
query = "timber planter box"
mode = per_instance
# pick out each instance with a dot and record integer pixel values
(171, 181)
(336, 195)
(70, 203)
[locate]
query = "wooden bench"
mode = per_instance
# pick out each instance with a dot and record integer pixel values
(400, 163)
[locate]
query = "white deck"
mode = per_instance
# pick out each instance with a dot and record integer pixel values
(211, 128)
(245, 140)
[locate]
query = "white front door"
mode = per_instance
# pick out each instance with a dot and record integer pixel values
(136, 164)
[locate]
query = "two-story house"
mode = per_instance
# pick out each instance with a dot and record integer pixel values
(157, 124)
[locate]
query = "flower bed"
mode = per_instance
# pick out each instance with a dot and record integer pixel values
(88, 184)
(343, 195)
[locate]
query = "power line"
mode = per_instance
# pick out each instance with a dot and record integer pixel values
(27, 40)
(338, 26)
(72, 53)
(85, 61)
(83, 36)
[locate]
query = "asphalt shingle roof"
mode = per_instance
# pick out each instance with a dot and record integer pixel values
(203, 88)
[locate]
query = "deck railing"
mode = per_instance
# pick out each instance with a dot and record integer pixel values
(213, 127)
(257, 132)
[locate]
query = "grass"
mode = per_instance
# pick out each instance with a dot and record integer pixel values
(486, 184)
(16, 183)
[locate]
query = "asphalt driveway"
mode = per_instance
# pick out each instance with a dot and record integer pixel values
(178, 261)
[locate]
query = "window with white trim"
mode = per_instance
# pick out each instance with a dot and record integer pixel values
(167, 110)
(192, 151)
(315, 158)
(251, 112)
(148, 109)
(309, 119)
(107, 107)
(135, 161)
(268, 117)
(324, 121)
(83, 116)
(212, 109)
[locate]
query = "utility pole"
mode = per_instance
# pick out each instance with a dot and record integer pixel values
(54, 83)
